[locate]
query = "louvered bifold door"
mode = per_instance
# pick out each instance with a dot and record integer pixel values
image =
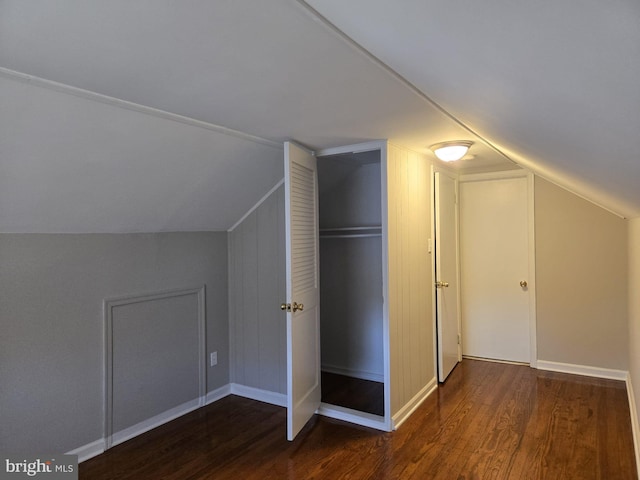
(301, 305)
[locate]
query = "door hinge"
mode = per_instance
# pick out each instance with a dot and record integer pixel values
(458, 339)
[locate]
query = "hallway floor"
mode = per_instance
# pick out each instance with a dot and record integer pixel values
(489, 420)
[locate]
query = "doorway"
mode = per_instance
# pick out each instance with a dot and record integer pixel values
(446, 267)
(351, 286)
(497, 277)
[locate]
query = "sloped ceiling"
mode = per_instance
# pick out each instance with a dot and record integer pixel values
(552, 89)
(555, 85)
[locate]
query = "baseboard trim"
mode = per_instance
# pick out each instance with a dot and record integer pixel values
(217, 394)
(273, 398)
(406, 411)
(348, 372)
(156, 421)
(89, 450)
(98, 447)
(353, 416)
(495, 360)
(635, 427)
(584, 370)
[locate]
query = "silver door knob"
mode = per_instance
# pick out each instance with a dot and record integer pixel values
(523, 283)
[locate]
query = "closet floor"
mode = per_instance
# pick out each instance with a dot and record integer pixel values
(355, 393)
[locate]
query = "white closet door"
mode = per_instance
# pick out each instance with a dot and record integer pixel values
(446, 249)
(303, 326)
(494, 248)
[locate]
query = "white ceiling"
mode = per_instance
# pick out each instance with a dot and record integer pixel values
(555, 85)
(553, 88)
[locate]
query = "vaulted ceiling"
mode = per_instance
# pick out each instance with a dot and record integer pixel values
(152, 115)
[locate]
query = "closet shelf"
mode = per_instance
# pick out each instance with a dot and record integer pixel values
(351, 232)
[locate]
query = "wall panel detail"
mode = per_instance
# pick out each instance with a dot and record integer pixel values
(411, 325)
(155, 358)
(256, 289)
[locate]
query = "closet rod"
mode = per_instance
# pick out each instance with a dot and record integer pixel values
(353, 235)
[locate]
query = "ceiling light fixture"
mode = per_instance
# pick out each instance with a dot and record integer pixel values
(451, 151)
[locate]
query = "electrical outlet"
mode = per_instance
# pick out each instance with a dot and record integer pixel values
(214, 359)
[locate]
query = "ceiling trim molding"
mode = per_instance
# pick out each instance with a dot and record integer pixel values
(116, 102)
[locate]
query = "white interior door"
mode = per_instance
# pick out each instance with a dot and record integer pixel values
(303, 327)
(494, 248)
(446, 251)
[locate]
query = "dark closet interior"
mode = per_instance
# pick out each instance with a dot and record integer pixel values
(351, 302)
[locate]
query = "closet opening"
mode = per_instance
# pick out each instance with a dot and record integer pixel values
(351, 281)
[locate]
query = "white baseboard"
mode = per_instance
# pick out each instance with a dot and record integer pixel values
(348, 372)
(585, 370)
(217, 394)
(279, 399)
(156, 421)
(94, 449)
(635, 427)
(353, 416)
(406, 411)
(89, 450)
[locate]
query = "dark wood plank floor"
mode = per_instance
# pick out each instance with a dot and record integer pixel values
(355, 393)
(488, 421)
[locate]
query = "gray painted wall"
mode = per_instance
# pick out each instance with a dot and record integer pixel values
(256, 289)
(51, 323)
(155, 357)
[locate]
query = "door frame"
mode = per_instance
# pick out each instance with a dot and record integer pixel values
(340, 413)
(521, 173)
(431, 247)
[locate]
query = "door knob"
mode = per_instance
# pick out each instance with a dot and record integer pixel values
(523, 283)
(442, 284)
(287, 307)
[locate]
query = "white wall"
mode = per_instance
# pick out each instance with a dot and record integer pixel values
(581, 272)
(634, 316)
(411, 326)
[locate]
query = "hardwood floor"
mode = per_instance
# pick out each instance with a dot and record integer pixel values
(488, 420)
(355, 393)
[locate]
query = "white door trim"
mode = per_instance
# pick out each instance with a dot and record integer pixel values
(533, 344)
(386, 355)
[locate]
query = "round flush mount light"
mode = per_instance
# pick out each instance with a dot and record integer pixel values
(451, 151)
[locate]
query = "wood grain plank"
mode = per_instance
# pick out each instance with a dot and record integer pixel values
(488, 421)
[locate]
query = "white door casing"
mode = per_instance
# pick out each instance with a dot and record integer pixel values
(495, 258)
(446, 265)
(303, 328)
